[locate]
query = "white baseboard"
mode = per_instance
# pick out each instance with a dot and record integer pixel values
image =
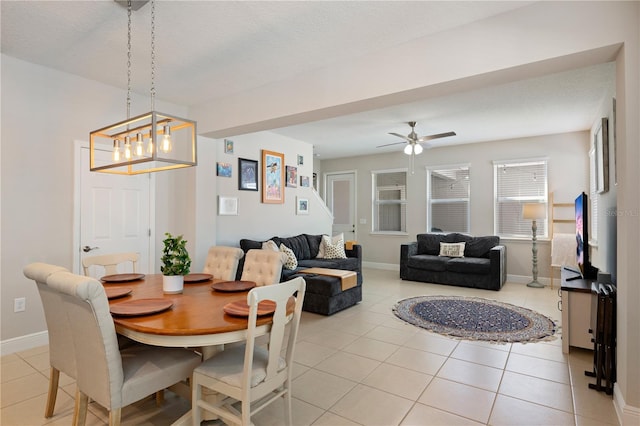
(627, 415)
(22, 343)
(385, 266)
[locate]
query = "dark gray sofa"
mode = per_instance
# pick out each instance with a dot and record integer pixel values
(484, 264)
(324, 294)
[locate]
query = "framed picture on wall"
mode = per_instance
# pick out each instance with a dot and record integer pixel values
(601, 146)
(292, 176)
(228, 146)
(304, 181)
(247, 175)
(223, 169)
(273, 179)
(227, 206)
(302, 205)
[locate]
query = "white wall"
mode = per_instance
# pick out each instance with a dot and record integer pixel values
(564, 152)
(256, 220)
(43, 113)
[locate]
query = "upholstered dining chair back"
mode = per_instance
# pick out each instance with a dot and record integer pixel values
(109, 264)
(263, 267)
(61, 355)
(222, 262)
(254, 374)
(112, 377)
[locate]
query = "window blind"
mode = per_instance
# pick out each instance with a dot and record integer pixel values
(448, 199)
(517, 183)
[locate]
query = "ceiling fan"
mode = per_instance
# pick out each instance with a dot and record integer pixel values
(414, 143)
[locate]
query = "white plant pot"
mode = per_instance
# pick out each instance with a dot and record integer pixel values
(172, 283)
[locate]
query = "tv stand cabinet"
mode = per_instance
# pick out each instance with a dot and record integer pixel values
(576, 302)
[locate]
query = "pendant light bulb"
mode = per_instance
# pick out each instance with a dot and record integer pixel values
(166, 139)
(139, 145)
(116, 150)
(150, 147)
(127, 148)
(408, 149)
(417, 148)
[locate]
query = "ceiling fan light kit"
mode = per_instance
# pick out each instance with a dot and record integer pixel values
(414, 143)
(161, 141)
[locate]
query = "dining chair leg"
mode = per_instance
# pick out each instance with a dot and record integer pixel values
(80, 408)
(287, 408)
(160, 398)
(196, 395)
(54, 377)
(114, 416)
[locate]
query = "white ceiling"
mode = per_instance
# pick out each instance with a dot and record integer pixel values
(207, 50)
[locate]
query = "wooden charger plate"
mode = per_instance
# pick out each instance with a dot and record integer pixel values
(232, 286)
(121, 278)
(241, 309)
(114, 293)
(197, 278)
(140, 307)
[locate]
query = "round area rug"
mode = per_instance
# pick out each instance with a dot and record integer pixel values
(474, 318)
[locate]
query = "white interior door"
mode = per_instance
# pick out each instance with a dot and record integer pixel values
(114, 214)
(341, 200)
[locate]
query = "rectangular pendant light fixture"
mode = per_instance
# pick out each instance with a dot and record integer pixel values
(151, 142)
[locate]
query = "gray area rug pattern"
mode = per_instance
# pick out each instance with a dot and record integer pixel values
(475, 318)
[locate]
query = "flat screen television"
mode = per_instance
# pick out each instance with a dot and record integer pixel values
(582, 237)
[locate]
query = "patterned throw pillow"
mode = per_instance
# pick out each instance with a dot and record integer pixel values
(452, 249)
(333, 247)
(334, 240)
(290, 261)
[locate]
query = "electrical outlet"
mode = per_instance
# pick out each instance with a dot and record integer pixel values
(19, 304)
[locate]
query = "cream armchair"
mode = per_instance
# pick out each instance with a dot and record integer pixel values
(222, 262)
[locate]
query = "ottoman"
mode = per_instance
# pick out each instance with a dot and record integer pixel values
(325, 295)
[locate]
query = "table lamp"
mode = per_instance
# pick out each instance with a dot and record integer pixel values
(533, 212)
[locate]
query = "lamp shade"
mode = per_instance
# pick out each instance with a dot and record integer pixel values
(533, 211)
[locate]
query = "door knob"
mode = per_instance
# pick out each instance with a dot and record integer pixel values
(87, 249)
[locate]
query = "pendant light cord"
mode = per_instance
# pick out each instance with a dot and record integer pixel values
(129, 60)
(153, 54)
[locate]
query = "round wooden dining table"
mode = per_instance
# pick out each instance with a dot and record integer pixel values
(196, 318)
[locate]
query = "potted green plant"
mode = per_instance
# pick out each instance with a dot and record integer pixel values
(175, 263)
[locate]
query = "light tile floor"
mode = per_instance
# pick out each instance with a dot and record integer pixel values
(363, 366)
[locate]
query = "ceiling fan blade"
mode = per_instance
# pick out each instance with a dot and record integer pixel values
(401, 136)
(438, 136)
(389, 144)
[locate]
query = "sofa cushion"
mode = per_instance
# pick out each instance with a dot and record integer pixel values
(314, 245)
(481, 246)
(456, 237)
(428, 262)
(247, 245)
(469, 265)
(430, 243)
(298, 244)
(452, 249)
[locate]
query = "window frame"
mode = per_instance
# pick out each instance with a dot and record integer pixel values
(375, 202)
(430, 201)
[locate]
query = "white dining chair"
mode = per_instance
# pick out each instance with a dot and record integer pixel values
(109, 263)
(254, 374)
(263, 267)
(112, 377)
(222, 262)
(61, 355)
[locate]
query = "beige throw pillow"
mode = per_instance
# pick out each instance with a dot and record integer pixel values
(333, 240)
(452, 249)
(271, 245)
(333, 247)
(290, 261)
